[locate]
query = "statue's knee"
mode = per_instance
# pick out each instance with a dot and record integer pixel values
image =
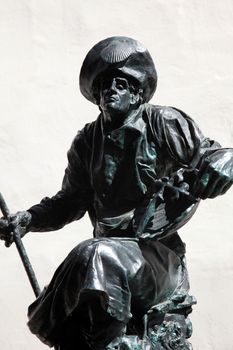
(92, 248)
(105, 248)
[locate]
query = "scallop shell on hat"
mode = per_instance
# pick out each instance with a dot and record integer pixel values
(118, 51)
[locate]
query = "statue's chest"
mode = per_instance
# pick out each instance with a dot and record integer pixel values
(126, 158)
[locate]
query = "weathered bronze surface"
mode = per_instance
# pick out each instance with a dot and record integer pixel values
(140, 171)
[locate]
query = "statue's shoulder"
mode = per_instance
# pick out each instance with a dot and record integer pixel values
(163, 112)
(84, 136)
(171, 125)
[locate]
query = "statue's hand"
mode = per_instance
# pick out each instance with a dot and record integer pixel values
(215, 175)
(21, 218)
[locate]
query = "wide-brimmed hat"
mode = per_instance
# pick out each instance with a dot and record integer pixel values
(120, 54)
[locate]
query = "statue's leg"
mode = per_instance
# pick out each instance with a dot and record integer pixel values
(166, 325)
(89, 327)
(98, 287)
(89, 290)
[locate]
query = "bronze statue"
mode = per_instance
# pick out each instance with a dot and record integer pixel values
(140, 171)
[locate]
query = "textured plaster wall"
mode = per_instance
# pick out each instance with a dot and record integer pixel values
(42, 45)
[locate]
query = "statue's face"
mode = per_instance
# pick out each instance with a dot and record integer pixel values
(115, 95)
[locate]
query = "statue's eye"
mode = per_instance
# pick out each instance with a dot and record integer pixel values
(120, 87)
(121, 84)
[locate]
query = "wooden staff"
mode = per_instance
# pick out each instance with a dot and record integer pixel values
(20, 247)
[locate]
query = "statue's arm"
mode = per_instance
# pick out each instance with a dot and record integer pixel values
(69, 204)
(210, 166)
(215, 175)
(74, 198)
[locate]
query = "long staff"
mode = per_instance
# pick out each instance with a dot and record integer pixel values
(20, 247)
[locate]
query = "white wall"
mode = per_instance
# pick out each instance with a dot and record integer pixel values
(42, 45)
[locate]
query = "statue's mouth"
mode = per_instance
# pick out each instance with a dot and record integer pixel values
(111, 99)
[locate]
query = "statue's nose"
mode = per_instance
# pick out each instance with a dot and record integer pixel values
(112, 86)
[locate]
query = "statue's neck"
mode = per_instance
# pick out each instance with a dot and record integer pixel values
(114, 121)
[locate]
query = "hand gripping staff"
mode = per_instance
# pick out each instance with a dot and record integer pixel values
(20, 247)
